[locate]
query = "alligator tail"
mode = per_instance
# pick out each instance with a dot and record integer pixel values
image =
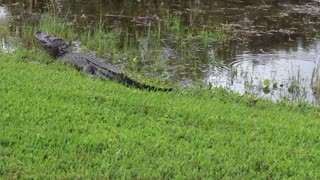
(121, 78)
(132, 83)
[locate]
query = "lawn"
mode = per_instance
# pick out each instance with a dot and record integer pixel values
(55, 122)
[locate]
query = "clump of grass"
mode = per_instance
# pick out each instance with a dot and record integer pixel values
(204, 35)
(248, 83)
(100, 41)
(176, 24)
(4, 32)
(296, 88)
(53, 25)
(315, 81)
(295, 83)
(215, 59)
(173, 23)
(4, 27)
(216, 35)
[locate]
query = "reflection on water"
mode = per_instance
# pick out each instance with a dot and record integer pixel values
(277, 39)
(5, 47)
(3, 12)
(278, 66)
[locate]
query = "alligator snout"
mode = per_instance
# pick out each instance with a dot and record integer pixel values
(39, 34)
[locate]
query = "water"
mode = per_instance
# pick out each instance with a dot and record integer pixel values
(278, 41)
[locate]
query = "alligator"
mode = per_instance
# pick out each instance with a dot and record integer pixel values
(89, 64)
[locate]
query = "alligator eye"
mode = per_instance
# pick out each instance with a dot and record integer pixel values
(42, 41)
(46, 37)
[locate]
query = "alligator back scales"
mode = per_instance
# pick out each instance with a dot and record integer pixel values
(89, 64)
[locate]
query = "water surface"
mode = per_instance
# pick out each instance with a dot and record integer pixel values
(276, 41)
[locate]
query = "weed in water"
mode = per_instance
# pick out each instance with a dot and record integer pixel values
(5, 44)
(233, 73)
(176, 24)
(52, 25)
(266, 88)
(204, 35)
(215, 59)
(296, 88)
(4, 27)
(315, 81)
(249, 86)
(294, 83)
(208, 36)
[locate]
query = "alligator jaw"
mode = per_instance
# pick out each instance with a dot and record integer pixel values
(43, 38)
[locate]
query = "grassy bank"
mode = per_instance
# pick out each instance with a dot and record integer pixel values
(57, 123)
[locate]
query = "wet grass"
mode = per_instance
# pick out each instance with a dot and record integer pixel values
(58, 123)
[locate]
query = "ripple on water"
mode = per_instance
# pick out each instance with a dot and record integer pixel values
(275, 65)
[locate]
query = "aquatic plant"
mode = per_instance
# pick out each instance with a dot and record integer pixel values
(204, 35)
(248, 81)
(215, 59)
(4, 27)
(296, 87)
(269, 86)
(315, 81)
(4, 34)
(176, 24)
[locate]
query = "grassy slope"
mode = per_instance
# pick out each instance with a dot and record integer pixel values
(56, 122)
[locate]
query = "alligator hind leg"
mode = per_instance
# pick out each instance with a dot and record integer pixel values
(93, 71)
(88, 69)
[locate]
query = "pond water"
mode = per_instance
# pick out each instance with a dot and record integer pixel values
(277, 43)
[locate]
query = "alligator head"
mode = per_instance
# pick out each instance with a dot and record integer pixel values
(53, 45)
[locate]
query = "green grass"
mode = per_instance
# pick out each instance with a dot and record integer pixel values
(58, 123)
